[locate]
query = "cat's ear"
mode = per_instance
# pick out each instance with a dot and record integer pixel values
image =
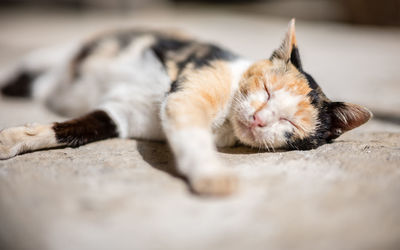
(288, 50)
(346, 116)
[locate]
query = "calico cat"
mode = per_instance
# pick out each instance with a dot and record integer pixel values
(165, 85)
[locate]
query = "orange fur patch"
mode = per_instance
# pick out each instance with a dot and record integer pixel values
(292, 33)
(172, 70)
(203, 94)
(277, 78)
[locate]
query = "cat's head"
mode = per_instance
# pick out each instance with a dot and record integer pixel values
(279, 105)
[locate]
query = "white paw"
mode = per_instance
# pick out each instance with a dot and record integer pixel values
(6, 152)
(219, 183)
(16, 140)
(9, 147)
(21, 139)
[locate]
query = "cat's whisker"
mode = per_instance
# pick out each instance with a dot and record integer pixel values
(266, 146)
(292, 145)
(272, 146)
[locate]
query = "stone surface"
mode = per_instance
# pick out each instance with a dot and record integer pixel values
(126, 194)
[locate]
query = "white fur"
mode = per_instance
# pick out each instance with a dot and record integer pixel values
(224, 135)
(238, 68)
(195, 151)
(134, 90)
(282, 104)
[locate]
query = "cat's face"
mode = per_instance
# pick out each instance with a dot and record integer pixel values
(278, 105)
(272, 105)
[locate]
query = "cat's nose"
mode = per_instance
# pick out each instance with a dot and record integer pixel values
(257, 122)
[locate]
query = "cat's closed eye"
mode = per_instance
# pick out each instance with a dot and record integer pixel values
(290, 122)
(266, 89)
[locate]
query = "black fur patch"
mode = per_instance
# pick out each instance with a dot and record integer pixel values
(295, 58)
(316, 95)
(20, 86)
(214, 53)
(92, 127)
(165, 45)
(311, 82)
(288, 135)
(321, 135)
(337, 125)
(169, 49)
(175, 86)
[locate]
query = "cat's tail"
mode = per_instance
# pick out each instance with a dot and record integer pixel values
(37, 68)
(18, 82)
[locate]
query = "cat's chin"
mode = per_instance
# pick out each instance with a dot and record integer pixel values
(245, 134)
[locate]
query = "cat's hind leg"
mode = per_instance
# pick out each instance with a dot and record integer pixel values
(36, 74)
(94, 126)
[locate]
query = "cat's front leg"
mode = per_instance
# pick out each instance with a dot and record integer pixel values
(96, 125)
(197, 160)
(186, 122)
(21, 139)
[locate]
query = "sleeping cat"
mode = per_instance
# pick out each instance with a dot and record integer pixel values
(163, 85)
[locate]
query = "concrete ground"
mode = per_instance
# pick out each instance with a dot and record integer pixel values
(125, 194)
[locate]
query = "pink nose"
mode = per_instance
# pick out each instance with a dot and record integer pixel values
(257, 122)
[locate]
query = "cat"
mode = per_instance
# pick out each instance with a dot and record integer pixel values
(159, 85)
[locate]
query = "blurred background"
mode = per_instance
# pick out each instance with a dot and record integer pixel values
(384, 12)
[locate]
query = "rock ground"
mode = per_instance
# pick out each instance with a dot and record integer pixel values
(125, 194)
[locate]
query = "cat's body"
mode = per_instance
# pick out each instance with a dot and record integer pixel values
(130, 72)
(158, 85)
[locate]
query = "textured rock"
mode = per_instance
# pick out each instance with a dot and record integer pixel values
(126, 194)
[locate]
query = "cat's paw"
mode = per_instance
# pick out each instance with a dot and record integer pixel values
(220, 183)
(20, 139)
(7, 152)
(8, 146)
(4, 152)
